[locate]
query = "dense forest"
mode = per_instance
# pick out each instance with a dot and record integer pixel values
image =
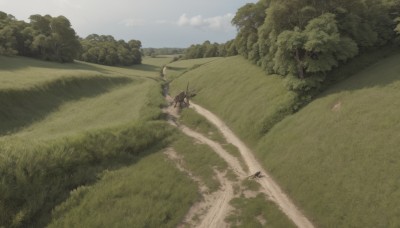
(153, 52)
(106, 50)
(306, 38)
(53, 39)
(44, 37)
(208, 49)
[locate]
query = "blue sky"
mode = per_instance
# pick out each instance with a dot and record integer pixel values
(157, 23)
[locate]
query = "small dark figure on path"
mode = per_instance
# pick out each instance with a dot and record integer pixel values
(256, 175)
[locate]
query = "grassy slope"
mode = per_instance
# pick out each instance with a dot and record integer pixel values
(340, 167)
(49, 100)
(238, 92)
(129, 197)
(87, 97)
(343, 166)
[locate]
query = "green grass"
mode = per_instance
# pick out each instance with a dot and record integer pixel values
(192, 119)
(35, 178)
(195, 121)
(177, 68)
(240, 93)
(151, 193)
(68, 100)
(200, 160)
(342, 167)
(66, 124)
(257, 212)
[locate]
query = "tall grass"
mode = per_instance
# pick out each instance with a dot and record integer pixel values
(35, 179)
(68, 127)
(150, 193)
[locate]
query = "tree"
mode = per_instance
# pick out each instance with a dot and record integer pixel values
(53, 38)
(104, 49)
(316, 49)
(247, 21)
(8, 41)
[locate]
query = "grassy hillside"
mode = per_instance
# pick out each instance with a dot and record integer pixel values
(240, 93)
(141, 195)
(63, 125)
(339, 156)
(46, 100)
(149, 193)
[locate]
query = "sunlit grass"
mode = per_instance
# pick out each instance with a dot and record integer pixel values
(240, 93)
(150, 193)
(68, 126)
(49, 100)
(342, 164)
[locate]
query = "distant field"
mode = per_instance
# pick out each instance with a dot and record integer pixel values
(175, 69)
(240, 93)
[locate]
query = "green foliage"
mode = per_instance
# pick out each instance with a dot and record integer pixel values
(310, 38)
(257, 212)
(53, 38)
(107, 51)
(162, 51)
(35, 179)
(207, 50)
(145, 194)
(8, 33)
(247, 21)
(44, 37)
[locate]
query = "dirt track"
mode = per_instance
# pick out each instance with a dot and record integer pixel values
(219, 208)
(270, 187)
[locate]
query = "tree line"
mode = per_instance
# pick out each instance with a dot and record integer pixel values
(208, 49)
(53, 39)
(305, 39)
(106, 50)
(153, 52)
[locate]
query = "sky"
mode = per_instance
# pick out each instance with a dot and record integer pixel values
(156, 23)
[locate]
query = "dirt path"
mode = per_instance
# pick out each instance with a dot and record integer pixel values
(218, 210)
(270, 187)
(211, 210)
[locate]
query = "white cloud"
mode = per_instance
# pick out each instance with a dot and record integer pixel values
(131, 22)
(214, 23)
